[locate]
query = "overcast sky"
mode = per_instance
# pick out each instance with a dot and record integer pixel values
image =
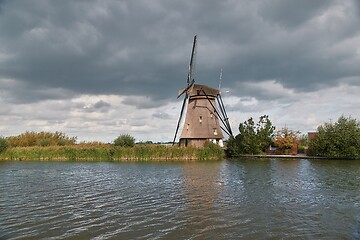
(98, 69)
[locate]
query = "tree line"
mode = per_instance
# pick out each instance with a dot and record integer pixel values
(340, 139)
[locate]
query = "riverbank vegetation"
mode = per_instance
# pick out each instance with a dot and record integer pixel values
(44, 139)
(337, 140)
(332, 140)
(124, 140)
(111, 153)
(4, 144)
(123, 150)
(252, 138)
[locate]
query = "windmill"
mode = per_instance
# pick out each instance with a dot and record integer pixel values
(204, 112)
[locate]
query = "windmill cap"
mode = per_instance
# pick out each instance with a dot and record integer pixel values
(198, 89)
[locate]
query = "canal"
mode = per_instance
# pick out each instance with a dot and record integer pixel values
(237, 199)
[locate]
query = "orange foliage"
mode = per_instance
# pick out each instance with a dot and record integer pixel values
(286, 138)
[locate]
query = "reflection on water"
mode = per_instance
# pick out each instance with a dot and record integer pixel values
(250, 199)
(202, 186)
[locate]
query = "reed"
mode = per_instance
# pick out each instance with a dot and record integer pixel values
(43, 139)
(108, 152)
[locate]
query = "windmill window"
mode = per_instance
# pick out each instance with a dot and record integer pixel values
(200, 119)
(187, 126)
(211, 115)
(215, 131)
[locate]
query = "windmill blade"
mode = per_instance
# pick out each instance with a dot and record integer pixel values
(192, 62)
(181, 92)
(220, 78)
(181, 114)
(190, 84)
(227, 126)
(226, 118)
(187, 89)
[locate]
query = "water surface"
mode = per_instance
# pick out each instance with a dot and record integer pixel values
(248, 199)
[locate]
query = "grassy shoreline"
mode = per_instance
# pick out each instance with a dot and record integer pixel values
(143, 152)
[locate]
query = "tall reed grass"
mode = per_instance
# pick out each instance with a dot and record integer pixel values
(108, 152)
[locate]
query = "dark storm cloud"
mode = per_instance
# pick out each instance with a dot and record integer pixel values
(87, 47)
(142, 48)
(292, 13)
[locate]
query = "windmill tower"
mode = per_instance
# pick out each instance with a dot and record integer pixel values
(203, 118)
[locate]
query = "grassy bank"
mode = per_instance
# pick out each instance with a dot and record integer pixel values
(143, 152)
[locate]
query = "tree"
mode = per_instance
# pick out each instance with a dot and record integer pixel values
(340, 139)
(124, 140)
(286, 138)
(265, 131)
(252, 138)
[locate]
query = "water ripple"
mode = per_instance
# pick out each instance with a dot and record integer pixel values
(218, 200)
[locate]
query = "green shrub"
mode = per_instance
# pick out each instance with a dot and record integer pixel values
(301, 149)
(253, 138)
(124, 140)
(337, 140)
(4, 144)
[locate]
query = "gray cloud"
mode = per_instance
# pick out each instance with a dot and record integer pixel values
(292, 13)
(143, 102)
(100, 106)
(161, 115)
(60, 50)
(95, 47)
(137, 48)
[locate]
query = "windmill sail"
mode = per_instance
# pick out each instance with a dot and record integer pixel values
(192, 63)
(190, 81)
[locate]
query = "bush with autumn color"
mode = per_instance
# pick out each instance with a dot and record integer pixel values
(286, 139)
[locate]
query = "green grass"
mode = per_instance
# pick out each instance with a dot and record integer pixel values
(142, 152)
